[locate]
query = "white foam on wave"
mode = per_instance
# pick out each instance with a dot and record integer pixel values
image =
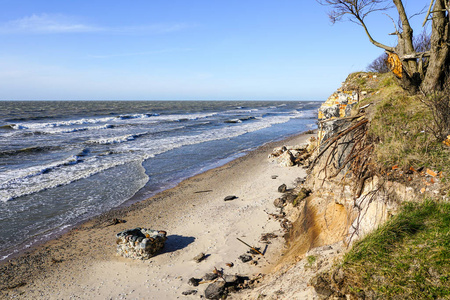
(13, 181)
(137, 116)
(306, 114)
(77, 129)
(116, 139)
(61, 123)
(179, 117)
(17, 183)
(120, 119)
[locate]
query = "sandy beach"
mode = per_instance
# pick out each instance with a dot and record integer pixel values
(82, 264)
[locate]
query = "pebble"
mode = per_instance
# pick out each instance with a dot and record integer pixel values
(209, 276)
(193, 281)
(282, 188)
(189, 292)
(245, 258)
(229, 198)
(215, 290)
(200, 257)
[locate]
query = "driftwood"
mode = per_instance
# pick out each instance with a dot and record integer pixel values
(115, 221)
(207, 191)
(253, 248)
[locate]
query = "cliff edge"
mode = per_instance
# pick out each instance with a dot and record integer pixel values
(360, 182)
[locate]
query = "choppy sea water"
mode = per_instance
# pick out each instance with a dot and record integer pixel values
(62, 162)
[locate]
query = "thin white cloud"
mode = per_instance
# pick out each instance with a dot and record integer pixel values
(46, 24)
(58, 23)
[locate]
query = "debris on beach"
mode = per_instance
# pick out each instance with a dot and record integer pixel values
(226, 284)
(266, 237)
(220, 285)
(189, 292)
(56, 261)
(300, 180)
(229, 198)
(254, 250)
(200, 257)
(282, 188)
(115, 221)
(215, 290)
(210, 276)
(140, 243)
(304, 192)
(288, 156)
(279, 202)
(194, 281)
(245, 258)
(283, 200)
(206, 191)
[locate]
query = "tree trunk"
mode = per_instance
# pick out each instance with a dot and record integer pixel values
(439, 51)
(411, 78)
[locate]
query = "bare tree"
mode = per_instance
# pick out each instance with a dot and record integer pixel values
(420, 68)
(379, 65)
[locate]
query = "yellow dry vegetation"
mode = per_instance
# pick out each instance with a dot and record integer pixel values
(395, 64)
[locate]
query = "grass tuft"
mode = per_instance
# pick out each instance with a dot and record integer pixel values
(400, 129)
(406, 258)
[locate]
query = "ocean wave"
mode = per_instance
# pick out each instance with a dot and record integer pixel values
(181, 117)
(137, 116)
(14, 182)
(85, 121)
(71, 130)
(31, 150)
(17, 183)
(233, 121)
(19, 126)
(158, 146)
(8, 126)
(307, 114)
(117, 139)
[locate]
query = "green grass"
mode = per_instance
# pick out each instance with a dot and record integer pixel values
(311, 259)
(400, 128)
(406, 258)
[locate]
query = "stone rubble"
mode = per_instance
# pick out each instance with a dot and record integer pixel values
(140, 243)
(288, 156)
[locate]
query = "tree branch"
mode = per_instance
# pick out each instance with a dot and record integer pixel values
(379, 45)
(416, 55)
(428, 13)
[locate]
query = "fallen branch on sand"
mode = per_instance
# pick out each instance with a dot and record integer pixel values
(253, 248)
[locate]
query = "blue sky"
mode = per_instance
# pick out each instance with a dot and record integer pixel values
(179, 50)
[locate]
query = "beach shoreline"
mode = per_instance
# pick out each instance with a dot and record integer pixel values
(82, 262)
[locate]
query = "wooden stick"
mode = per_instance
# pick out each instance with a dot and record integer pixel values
(253, 248)
(207, 191)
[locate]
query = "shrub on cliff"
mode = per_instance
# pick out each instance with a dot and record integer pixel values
(379, 64)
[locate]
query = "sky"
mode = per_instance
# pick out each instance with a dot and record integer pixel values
(180, 49)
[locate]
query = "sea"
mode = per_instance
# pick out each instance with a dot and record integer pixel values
(63, 162)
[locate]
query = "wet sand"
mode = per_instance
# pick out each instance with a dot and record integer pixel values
(82, 264)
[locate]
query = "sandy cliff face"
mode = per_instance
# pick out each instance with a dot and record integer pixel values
(349, 199)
